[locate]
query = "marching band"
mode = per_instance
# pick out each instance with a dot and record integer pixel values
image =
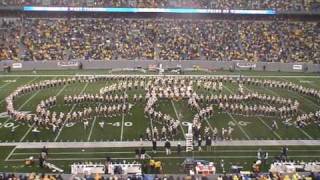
(114, 99)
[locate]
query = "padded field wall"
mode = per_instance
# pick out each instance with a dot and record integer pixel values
(185, 64)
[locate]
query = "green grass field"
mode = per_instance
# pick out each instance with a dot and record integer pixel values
(129, 127)
(242, 156)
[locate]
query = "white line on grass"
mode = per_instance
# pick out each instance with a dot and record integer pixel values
(93, 123)
(305, 133)
(10, 154)
(5, 86)
(104, 144)
(211, 128)
(312, 84)
(122, 123)
(304, 98)
(30, 128)
(274, 132)
(151, 125)
(74, 106)
(175, 111)
(91, 129)
(28, 100)
(261, 120)
(164, 157)
(209, 124)
(243, 131)
(301, 130)
(235, 121)
(131, 152)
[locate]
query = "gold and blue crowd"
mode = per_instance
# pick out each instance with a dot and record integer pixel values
(165, 39)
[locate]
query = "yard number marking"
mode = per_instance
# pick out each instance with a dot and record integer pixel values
(241, 123)
(184, 123)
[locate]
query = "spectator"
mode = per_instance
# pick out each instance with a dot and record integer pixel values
(166, 39)
(208, 143)
(179, 148)
(199, 143)
(167, 146)
(154, 145)
(143, 153)
(137, 153)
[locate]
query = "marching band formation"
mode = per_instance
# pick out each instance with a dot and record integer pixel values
(202, 95)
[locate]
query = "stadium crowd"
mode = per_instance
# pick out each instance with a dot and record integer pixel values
(9, 39)
(34, 176)
(284, 5)
(167, 39)
(31, 176)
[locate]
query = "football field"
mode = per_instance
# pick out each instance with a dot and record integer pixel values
(240, 156)
(130, 127)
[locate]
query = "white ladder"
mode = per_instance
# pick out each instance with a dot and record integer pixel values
(189, 142)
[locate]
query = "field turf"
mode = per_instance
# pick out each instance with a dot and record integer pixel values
(130, 127)
(172, 164)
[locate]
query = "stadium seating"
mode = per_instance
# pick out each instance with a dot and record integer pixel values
(5, 176)
(165, 39)
(9, 39)
(281, 5)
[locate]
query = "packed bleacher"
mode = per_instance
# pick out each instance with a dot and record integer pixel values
(165, 39)
(282, 5)
(30, 176)
(34, 176)
(9, 39)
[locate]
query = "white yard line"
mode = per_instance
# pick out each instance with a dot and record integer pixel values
(235, 121)
(30, 128)
(211, 128)
(305, 133)
(301, 130)
(28, 100)
(91, 129)
(242, 130)
(10, 154)
(151, 125)
(25, 134)
(312, 84)
(261, 120)
(4, 85)
(122, 123)
(306, 99)
(163, 157)
(105, 144)
(64, 123)
(93, 123)
(122, 126)
(131, 152)
(175, 111)
(274, 132)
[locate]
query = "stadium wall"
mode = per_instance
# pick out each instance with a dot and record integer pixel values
(184, 64)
